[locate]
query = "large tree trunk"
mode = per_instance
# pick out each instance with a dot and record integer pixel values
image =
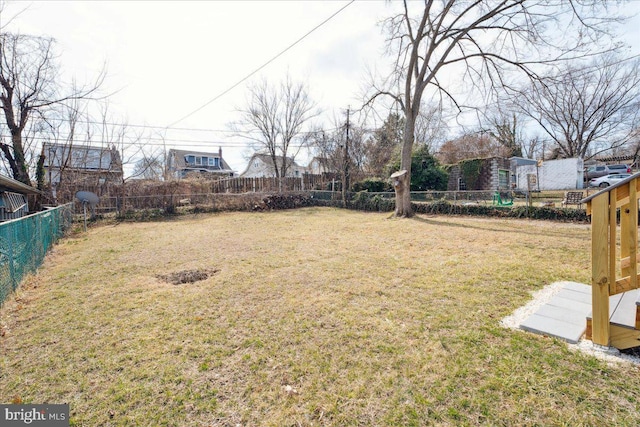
(21, 172)
(402, 179)
(401, 184)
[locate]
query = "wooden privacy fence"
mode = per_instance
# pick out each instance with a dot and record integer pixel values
(267, 184)
(148, 194)
(141, 188)
(612, 274)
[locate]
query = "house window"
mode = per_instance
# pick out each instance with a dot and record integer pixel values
(461, 184)
(503, 178)
(190, 159)
(199, 160)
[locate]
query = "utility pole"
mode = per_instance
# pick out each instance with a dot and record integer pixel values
(345, 164)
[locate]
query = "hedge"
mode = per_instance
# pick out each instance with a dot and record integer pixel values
(442, 207)
(363, 201)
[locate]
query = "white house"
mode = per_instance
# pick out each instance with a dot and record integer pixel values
(561, 174)
(261, 165)
(319, 165)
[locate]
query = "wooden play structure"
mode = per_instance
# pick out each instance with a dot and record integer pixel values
(615, 321)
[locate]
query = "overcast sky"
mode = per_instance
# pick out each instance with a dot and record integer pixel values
(166, 59)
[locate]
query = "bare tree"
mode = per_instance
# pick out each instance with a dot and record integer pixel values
(586, 110)
(506, 128)
(485, 40)
(150, 166)
(330, 146)
(383, 144)
(277, 117)
(533, 147)
(431, 128)
(471, 146)
(30, 84)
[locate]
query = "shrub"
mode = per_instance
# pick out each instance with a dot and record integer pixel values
(281, 201)
(374, 203)
(443, 207)
(426, 172)
(372, 185)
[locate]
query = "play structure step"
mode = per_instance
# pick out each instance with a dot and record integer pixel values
(567, 314)
(622, 319)
(563, 316)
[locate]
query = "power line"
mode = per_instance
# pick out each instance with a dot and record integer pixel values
(185, 129)
(262, 66)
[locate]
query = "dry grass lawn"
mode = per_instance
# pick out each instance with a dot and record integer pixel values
(312, 317)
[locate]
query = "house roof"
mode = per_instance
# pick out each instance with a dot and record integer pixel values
(320, 160)
(180, 163)
(16, 186)
(82, 157)
(615, 158)
(268, 160)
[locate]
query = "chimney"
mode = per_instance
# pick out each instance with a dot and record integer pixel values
(220, 153)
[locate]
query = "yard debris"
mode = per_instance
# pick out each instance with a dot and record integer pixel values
(290, 390)
(188, 276)
(284, 201)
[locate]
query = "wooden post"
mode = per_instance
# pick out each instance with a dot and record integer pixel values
(600, 269)
(631, 231)
(613, 233)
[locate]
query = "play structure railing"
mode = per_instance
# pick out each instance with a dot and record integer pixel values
(613, 273)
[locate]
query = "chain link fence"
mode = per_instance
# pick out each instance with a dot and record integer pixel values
(25, 241)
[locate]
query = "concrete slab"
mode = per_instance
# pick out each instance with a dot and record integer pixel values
(624, 312)
(614, 302)
(572, 305)
(548, 326)
(578, 287)
(572, 295)
(564, 314)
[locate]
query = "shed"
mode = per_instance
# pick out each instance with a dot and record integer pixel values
(14, 203)
(560, 174)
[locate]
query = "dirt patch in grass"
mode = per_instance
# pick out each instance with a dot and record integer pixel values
(317, 318)
(187, 276)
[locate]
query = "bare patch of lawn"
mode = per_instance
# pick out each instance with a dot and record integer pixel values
(316, 317)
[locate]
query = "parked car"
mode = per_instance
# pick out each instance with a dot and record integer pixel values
(605, 181)
(602, 170)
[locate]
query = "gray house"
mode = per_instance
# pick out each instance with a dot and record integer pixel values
(183, 163)
(82, 164)
(13, 198)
